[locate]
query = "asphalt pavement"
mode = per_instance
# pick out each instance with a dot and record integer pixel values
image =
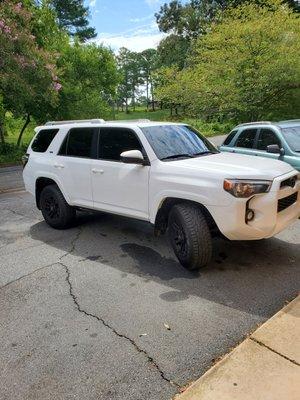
(104, 310)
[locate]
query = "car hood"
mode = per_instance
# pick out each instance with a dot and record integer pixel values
(237, 165)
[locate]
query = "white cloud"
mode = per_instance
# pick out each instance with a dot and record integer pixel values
(152, 3)
(92, 3)
(138, 42)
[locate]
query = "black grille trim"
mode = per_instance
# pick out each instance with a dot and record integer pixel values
(287, 202)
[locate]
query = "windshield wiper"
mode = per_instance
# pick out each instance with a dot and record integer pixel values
(202, 153)
(177, 156)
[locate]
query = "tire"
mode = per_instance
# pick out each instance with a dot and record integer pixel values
(190, 236)
(56, 211)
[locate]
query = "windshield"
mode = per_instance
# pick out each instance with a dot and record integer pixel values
(292, 136)
(177, 141)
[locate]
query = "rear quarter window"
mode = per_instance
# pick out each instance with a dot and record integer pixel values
(43, 139)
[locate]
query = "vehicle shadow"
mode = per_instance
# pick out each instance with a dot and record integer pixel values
(254, 277)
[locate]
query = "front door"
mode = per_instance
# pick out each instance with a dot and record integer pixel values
(267, 137)
(118, 187)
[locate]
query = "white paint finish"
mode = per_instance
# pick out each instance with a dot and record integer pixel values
(138, 191)
(121, 188)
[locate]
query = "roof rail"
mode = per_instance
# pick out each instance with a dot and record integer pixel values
(76, 121)
(129, 121)
(289, 120)
(256, 123)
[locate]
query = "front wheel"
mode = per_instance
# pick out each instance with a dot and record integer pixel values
(56, 211)
(190, 236)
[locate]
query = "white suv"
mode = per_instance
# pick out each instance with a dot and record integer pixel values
(163, 173)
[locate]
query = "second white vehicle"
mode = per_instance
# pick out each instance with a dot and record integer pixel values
(163, 173)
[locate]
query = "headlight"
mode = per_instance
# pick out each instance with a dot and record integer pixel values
(246, 188)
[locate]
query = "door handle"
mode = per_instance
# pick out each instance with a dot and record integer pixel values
(97, 171)
(59, 165)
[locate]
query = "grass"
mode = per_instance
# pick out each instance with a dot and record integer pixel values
(10, 154)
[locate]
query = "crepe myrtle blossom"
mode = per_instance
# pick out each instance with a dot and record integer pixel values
(57, 86)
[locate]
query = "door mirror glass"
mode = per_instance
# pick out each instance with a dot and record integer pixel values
(132, 157)
(275, 149)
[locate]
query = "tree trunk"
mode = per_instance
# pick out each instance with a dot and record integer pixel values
(2, 133)
(126, 106)
(147, 91)
(23, 129)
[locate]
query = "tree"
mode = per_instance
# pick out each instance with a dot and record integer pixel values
(28, 79)
(193, 18)
(247, 68)
(148, 62)
(173, 51)
(89, 78)
(72, 15)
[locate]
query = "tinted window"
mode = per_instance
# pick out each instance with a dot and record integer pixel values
(170, 141)
(292, 136)
(43, 139)
(267, 137)
(229, 138)
(113, 141)
(246, 138)
(78, 143)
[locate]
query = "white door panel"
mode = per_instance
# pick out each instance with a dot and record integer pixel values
(75, 173)
(121, 188)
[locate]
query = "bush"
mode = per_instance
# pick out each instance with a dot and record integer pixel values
(11, 154)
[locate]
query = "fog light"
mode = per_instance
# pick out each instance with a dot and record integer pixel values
(249, 215)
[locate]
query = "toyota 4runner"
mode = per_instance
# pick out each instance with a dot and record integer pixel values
(163, 173)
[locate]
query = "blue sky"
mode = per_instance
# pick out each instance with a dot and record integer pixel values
(128, 23)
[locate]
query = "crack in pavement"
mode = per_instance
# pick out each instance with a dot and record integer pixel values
(72, 244)
(274, 351)
(29, 274)
(121, 335)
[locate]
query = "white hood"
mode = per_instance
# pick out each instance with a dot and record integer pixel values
(237, 165)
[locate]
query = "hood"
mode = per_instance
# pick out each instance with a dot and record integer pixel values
(237, 165)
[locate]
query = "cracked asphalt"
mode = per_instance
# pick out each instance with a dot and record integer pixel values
(82, 311)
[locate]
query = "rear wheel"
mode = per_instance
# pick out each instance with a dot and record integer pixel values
(56, 211)
(190, 236)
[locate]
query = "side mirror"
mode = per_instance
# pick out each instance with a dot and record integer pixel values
(275, 149)
(132, 157)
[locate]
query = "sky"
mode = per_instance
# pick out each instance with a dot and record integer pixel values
(126, 23)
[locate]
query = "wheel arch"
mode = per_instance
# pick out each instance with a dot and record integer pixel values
(162, 214)
(40, 183)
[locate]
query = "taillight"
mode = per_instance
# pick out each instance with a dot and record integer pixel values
(25, 159)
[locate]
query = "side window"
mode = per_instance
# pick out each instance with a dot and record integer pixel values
(246, 139)
(267, 137)
(229, 138)
(78, 143)
(113, 141)
(43, 139)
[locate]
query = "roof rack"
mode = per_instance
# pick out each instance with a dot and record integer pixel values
(76, 121)
(256, 123)
(129, 121)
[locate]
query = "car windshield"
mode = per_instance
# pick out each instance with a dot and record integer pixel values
(292, 136)
(177, 141)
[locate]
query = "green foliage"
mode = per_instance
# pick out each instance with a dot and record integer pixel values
(246, 68)
(173, 51)
(28, 75)
(72, 15)
(88, 77)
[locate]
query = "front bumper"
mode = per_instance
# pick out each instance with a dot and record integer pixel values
(268, 221)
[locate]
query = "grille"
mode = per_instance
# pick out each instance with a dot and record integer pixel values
(287, 202)
(289, 182)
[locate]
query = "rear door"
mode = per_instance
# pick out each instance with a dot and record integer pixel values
(73, 164)
(118, 187)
